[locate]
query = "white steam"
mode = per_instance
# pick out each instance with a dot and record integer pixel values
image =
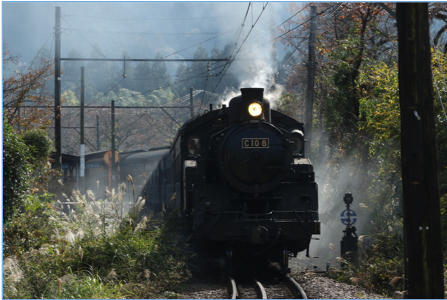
(255, 68)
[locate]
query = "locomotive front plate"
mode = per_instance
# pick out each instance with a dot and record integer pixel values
(251, 143)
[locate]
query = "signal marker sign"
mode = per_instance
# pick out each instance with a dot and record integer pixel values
(348, 214)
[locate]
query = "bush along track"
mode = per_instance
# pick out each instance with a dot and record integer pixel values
(90, 251)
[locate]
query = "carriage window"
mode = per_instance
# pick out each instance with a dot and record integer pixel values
(194, 145)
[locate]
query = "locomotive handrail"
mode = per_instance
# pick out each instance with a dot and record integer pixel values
(256, 215)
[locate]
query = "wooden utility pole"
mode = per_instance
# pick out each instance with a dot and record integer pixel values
(421, 207)
(310, 79)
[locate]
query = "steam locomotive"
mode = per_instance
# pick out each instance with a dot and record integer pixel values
(239, 177)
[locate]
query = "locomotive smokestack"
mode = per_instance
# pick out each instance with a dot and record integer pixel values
(253, 94)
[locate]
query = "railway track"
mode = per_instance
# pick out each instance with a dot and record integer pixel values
(250, 288)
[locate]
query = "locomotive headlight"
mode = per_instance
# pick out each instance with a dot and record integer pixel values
(297, 138)
(255, 109)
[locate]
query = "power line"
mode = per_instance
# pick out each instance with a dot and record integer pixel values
(200, 43)
(237, 52)
(290, 30)
(147, 33)
(294, 15)
(132, 19)
(85, 39)
(41, 49)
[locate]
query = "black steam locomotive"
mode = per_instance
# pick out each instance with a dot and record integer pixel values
(239, 177)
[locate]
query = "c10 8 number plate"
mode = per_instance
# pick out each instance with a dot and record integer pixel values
(255, 143)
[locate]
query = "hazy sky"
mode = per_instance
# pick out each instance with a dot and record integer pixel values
(107, 29)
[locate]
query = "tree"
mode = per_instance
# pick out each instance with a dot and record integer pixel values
(438, 12)
(349, 33)
(199, 69)
(158, 76)
(141, 77)
(72, 71)
(181, 88)
(102, 76)
(25, 86)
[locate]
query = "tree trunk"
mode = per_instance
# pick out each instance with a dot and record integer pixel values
(422, 219)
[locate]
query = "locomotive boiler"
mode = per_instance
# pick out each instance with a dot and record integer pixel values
(239, 177)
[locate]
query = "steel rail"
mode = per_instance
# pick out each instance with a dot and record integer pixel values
(294, 286)
(262, 294)
(234, 291)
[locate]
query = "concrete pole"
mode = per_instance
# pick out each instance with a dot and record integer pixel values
(57, 90)
(82, 167)
(112, 159)
(191, 98)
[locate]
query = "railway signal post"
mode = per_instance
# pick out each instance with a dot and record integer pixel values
(349, 241)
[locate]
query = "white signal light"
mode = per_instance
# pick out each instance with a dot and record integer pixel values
(255, 109)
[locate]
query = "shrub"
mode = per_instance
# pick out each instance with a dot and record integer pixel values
(16, 170)
(31, 228)
(39, 145)
(378, 265)
(90, 252)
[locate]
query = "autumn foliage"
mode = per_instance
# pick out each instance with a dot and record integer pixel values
(26, 87)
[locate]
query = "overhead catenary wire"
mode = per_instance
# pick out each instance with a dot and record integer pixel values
(78, 31)
(160, 88)
(277, 27)
(146, 33)
(233, 57)
(150, 19)
(85, 38)
(224, 68)
(189, 47)
(302, 24)
(41, 49)
(253, 25)
(297, 47)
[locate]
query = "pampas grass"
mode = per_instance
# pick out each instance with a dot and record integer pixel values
(88, 250)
